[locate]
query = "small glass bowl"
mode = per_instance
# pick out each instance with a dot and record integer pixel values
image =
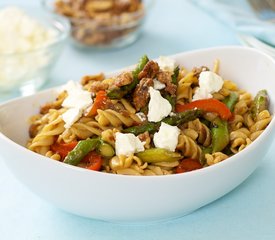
(25, 72)
(113, 32)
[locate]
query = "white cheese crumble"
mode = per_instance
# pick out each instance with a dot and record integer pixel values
(167, 137)
(127, 144)
(141, 116)
(70, 86)
(78, 98)
(71, 116)
(166, 64)
(209, 82)
(158, 85)
(77, 101)
(158, 107)
(201, 93)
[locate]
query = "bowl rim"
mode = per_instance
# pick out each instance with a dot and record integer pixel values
(61, 24)
(201, 171)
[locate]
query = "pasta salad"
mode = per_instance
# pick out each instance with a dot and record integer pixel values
(156, 119)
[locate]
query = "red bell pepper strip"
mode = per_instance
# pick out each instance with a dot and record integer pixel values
(208, 105)
(187, 165)
(93, 161)
(99, 102)
(63, 148)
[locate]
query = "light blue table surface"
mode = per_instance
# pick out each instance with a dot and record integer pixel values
(248, 212)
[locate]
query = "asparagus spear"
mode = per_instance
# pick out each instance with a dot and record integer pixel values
(182, 117)
(174, 120)
(231, 100)
(220, 135)
(149, 127)
(118, 93)
(171, 99)
(260, 103)
(85, 146)
(175, 75)
(81, 150)
(105, 149)
(142, 62)
(154, 155)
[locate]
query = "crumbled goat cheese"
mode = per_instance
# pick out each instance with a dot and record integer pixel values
(167, 137)
(158, 85)
(71, 116)
(141, 116)
(77, 101)
(166, 64)
(77, 98)
(127, 144)
(209, 82)
(158, 107)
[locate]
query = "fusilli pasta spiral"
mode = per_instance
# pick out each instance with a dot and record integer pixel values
(110, 117)
(188, 147)
(44, 139)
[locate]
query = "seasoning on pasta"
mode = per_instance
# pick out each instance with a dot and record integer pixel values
(157, 119)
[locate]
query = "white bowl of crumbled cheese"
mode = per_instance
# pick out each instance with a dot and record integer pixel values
(31, 40)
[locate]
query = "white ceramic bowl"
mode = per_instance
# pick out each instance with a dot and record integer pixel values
(133, 198)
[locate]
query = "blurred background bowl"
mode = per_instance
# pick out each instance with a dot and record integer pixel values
(102, 24)
(25, 71)
(253, 42)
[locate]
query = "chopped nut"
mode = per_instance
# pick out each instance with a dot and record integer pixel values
(99, 5)
(88, 78)
(165, 77)
(150, 70)
(97, 86)
(123, 79)
(141, 93)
